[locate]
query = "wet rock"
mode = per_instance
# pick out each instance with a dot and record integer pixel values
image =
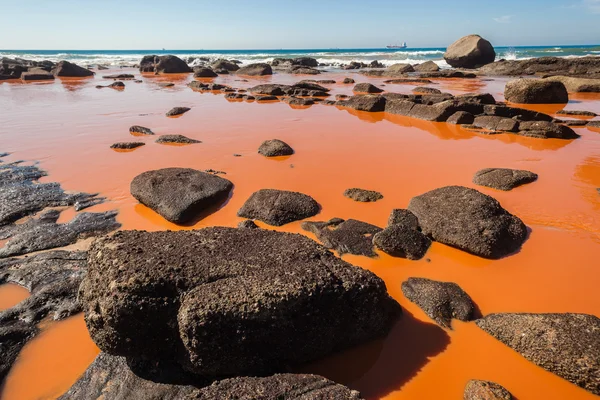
(180, 195)
(399, 106)
(438, 112)
(499, 124)
(485, 390)
(341, 96)
(427, 90)
(403, 217)
(362, 195)
(520, 114)
(203, 72)
(37, 75)
(577, 84)
(249, 98)
(296, 101)
(477, 98)
(275, 148)
(168, 64)
(399, 240)
(534, 91)
(270, 89)
(503, 178)
(118, 76)
(278, 207)
(67, 69)
(127, 145)
(310, 85)
(457, 216)
(345, 236)
(581, 66)
(369, 103)
(234, 96)
(205, 310)
(176, 139)
(225, 65)
(266, 98)
(248, 224)
(567, 345)
(576, 123)
(441, 301)
(354, 65)
(461, 118)
(141, 130)
(348, 81)
(177, 111)
(258, 69)
(470, 52)
(300, 70)
(166, 84)
(407, 81)
(546, 130)
(427, 66)
(366, 88)
(593, 124)
(400, 69)
(116, 85)
(13, 337)
(576, 113)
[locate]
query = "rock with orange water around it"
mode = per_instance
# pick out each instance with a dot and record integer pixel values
(258, 69)
(275, 148)
(278, 207)
(400, 240)
(167, 64)
(175, 111)
(535, 91)
(141, 130)
(127, 145)
(366, 88)
(503, 178)
(176, 139)
(367, 102)
(345, 236)
(427, 66)
(485, 390)
(362, 195)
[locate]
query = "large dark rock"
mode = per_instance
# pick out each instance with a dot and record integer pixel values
(366, 88)
(404, 217)
(585, 67)
(168, 64)
(363, 195)
(503, 178)
(224, 65)
(546, 130)
(369, 103)
(535, 91)
(275, 148)
(461, 118)
(427, 66)
(399, 69)
(496, 124)
(345, 236)
(13, 337)
(485, 390)
(203, 72)
(67, 69)
(469, 220)
(400, 240)
(565, 344)
(180, 195)
(201, 298)
(259, 69)
(441, 301)
(278, 207)
(470, 52)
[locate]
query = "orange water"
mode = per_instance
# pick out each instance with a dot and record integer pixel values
(69, 126)
(11, 294)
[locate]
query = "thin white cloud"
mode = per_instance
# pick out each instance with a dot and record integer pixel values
(592, 5)
(506, 19)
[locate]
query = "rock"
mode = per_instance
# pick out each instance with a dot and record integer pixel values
(37, 75)
(427, 66)
(546, 130)
(427, 90)
(275, 148)
(115, 85)
(496, 124)
(248, 224)
(309, 85)
(567, 345)
(402, 81)
(350, 236)
(354, 65)
(593, 124)
(140, 130)
(401, 240)
(520, 114)
(278, 207)
(457, 216)
(176, 139)
(366, 88)
(362, 195)
(177, 111)
(180, 195)
(485, 390)
(461, 118)
(203, 72)
(204, 306)
(376, 64)
(270, 89)
(167, 64)
(470, 52)
(127, 145)
(13, 337)
(118, 76)
(403, 217)
(577, 113)
(584, 67)
(166, 84)
(503, 178)
(369, 103)
(477, 98)
(348, 81)
(577, 85)
(300, 70)
(533, 91)
(575, 123)
(438, 112)
(225, 65)
(67, 69)
(296, 101)
(102, 68)
(267, 98)
(259, 69)
(400, 69)
(441, 301)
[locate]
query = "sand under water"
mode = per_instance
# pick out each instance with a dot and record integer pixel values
(68, 125)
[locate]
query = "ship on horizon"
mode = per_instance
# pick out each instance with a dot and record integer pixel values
(397, 46)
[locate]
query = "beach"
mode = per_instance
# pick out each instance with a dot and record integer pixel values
(66, 127)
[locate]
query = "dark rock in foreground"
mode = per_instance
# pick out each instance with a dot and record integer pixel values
(177, 111)
(534, 91)
(485, 390)
(275, 148)
(168, 64)
(278, 207)
(404, 217)
(366, 88)
(259, 69)
(461, 118)
(546, 130)
(503, 178)
(567, 345)
(400, 240)
(470, 52)
(362, 195)
(180, 195)
(127, 145)
(369, 103)
(201, 299)
(67, 69)
(345, 236)
(176, 139)
(457, 216)
(441, 301)
(141, 130)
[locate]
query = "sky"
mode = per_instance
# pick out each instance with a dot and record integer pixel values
(289, 24)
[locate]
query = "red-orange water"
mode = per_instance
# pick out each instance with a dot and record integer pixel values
(69, 126)
(11, 295)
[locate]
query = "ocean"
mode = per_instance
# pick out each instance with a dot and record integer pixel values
(326, 56)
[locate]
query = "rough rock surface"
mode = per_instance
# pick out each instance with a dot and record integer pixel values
(275, 148)
(203, 72)
(404, 217)
(201, 299)
(278, 207)
(441, 301)
(259, 69)
(546, 130)
(168, 64)
(348, 81)
(503, 178)
(116, 85)
(127, 145)
(176, 139)
(369, 103)
(577, 113)
(13, 337)
(469, 220)
(461, 118)
(141, 130)
(535, 91)
(427, 66)
(67, 69)
(366, 88)
(345, 236)
(593, 124)
(400, 68)
(180, 195)
(37, 75)
(470, 52)
(496, 124)
(485, 390)
(567, 345)
(583, 67)
(177, 111)
(401, 240)
(362, 195)
(225, 64)
(577, 84)
(426, 90)
(248, 224)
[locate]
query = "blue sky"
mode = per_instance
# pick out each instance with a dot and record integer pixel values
(270, 24)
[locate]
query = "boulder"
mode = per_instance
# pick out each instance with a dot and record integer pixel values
(310, 85)
(485, 390)
(567, 345)
(470, 52)
(426, 90)
(345, 236)
(348, 81)
(200, 299)
(275, 148)
(362, 195)
(248, 224)
(576, 85)
(127, 145)
(503, 178)
(259, 69)
(427, 66)
(546, 130)
(403, 217)
(369, 103)
(67, 69)
(438, 112)
(140, 130)
(535, 91)
(224, 65)
(584, 67)
(441, 301)
(278, 207)
(400, 69)
(520, 114)
(180, 195)
(457, 216)
(176, 139)
(301, 70)
(461, 118)
(496, 124)
(399, 240)
(203, 72)
(366, 88)
(296, 101)
(167, 64)
(175, 111)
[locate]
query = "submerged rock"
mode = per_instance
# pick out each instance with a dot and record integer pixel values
(400, 240)
(366, 88)
(180, 195)
(176, 139)
(127, 145)
(177, 111)
(116, 85)
(67, 69)
(362, 195)
(535, 91)
(457, 216)
(470, 52)
(441, 301)
(141, 130)
(275, 148)
(258, 69)
(503, 178)
(278, 207)
(205, 311)
(118, 76)
(485, 390)
(567, 345)
(345, 236)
